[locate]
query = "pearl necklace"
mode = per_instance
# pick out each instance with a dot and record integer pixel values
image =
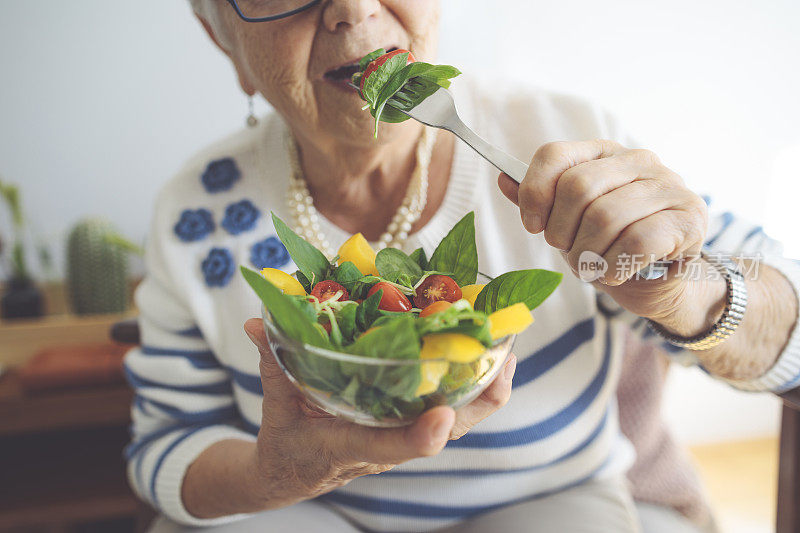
(306, 218)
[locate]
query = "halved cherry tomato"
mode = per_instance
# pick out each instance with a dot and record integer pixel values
(435, 288)
(435, 307)
(373, 66)
(325, 290)
(392, 299)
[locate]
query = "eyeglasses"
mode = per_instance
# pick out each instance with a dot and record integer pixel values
(267, 10)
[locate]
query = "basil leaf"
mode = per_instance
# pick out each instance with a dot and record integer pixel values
(347, 274)
(369, 58)
(287, 313)
(419, 257)
(376, 81)
(346, 318)
(304, 281)
(457, 319)
(362, 287)
(311, 262)
(395, 340)
(368, 311)
(531, 287)
(394, 265)
(391, 115)
(458, 253)
(350, 393)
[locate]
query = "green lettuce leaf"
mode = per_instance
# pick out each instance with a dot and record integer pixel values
(394, 265)
(311, 262)
(458, 253)
(531, 287)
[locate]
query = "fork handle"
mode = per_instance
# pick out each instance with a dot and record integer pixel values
(501, 160)
(516, 169)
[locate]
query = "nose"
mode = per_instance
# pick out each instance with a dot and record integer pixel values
(340, 14)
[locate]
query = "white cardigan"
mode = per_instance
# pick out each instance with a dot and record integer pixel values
(196, 373)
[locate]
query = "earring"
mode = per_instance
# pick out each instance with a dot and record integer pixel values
(252, 120)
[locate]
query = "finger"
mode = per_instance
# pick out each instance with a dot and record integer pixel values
(427, 436)
(537, 191)
(508, 187)
(606, 218)
(493, 398)
(668, 234)
(278, 390)
(584, 183)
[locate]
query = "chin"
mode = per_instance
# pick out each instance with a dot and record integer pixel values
(348, 124)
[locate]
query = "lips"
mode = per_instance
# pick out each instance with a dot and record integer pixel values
(343, 73)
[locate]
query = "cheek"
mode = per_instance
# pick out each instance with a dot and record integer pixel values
(420, 19)
(278, 66)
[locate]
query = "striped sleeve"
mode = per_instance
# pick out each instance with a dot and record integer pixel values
(183, 399)
(730, 235)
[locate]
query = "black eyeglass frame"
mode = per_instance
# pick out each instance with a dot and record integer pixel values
(272, 17)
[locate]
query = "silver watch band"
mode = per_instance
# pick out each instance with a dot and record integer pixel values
(735, 305)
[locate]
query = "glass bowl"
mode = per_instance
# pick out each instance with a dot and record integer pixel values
(375, 392)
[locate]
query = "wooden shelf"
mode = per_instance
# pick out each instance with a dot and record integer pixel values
(69, 409)
(21, 339)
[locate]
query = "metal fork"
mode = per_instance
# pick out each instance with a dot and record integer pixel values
(439, 111)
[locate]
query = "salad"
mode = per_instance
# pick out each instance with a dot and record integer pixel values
(394, 306)
(394, 81)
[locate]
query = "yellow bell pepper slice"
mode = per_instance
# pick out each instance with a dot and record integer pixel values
(357, 250)
(283, 281)
(470, 292)
(513, 319)
(455, 347)
(432, 373)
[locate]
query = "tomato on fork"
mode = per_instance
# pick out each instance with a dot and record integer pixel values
(373, 66)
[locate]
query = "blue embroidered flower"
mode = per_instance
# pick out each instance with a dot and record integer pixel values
(220, 175)
(194, 225)
(269, 253)
(240, 217)
(218, 267)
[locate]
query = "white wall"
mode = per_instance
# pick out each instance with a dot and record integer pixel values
(101, 101)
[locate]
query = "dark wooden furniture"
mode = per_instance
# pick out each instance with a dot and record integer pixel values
(788, 517)
(61, 459)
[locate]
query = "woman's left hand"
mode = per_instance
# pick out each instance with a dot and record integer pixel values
(598, 197)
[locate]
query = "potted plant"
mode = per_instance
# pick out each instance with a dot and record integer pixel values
(21, 298)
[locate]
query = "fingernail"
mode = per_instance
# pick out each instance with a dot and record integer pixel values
(508, 372)
(532, 222)
(253, 339)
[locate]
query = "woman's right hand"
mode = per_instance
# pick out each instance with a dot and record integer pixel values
(303, 452)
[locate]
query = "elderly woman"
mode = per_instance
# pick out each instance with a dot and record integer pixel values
(222, 438)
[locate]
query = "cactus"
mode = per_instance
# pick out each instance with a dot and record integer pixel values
(97, 269)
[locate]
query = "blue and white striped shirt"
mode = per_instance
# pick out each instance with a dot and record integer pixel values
(196, 373)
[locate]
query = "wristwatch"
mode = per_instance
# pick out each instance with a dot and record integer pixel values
(735, 305)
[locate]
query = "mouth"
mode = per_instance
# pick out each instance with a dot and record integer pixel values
(341, 75)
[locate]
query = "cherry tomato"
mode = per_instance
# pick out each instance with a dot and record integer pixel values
(325, 290)
(373, 66)
(392, 299)
(435, 288)
(435, 307)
